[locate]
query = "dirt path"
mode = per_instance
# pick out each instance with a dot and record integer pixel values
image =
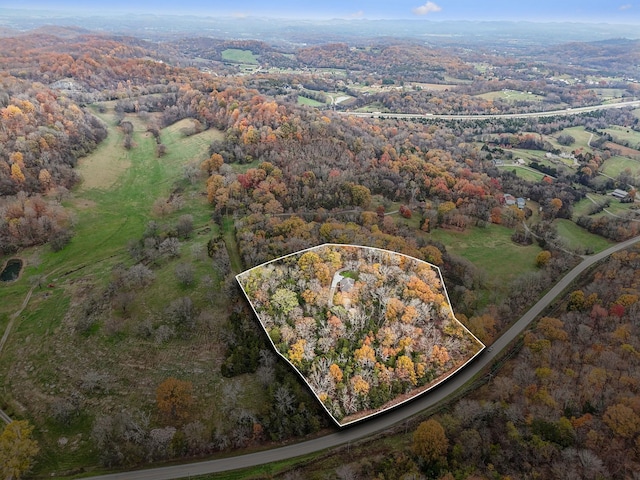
(5, 336)
(12, 320)
(3, 416)
(608, 212)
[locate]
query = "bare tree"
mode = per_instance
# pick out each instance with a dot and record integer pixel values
(185, 274)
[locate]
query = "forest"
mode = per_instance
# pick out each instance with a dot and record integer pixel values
(563, 403)
(137, 178)
(365, 328)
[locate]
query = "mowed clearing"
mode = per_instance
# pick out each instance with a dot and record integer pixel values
(102, 168)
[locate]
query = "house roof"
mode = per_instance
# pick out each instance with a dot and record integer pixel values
(346, 284)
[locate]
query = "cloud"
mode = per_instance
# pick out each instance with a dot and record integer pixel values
(358, 14)
(426, 9)
(625, 7)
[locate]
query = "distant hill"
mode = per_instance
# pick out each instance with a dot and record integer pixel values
(620, 55)
(310, 31)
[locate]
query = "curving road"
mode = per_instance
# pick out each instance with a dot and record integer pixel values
(385, 420)
(551, 113)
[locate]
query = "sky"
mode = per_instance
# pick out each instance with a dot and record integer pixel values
(608, 11)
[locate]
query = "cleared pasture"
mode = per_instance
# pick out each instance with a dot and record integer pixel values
(492, 250)
(525, 173)
(236, 55)
(302, 100)
(614, 166)
(624, 135)
(512, 96)
(579, 239)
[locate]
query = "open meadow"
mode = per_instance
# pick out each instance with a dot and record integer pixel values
(52, 349)
(512, 96)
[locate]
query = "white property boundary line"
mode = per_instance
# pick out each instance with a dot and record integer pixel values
(394, 405)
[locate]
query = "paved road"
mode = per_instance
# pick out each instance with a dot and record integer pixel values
(381, 422)
(552, 113)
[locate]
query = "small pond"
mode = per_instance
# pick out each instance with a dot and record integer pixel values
(11, 270)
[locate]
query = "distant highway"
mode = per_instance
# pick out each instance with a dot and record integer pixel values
(551, 113)
(384, 421)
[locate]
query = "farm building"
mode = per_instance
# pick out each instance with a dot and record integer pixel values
(620, 194)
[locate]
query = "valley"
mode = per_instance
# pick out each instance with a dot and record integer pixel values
(139, 176)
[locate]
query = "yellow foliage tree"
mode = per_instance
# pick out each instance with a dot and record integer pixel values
(440, 355)
(409, 315)
(212, 164)
(336, 373)
(432, 254)
(365, 354)
(17, 157)
(307, 263)
(552, 329)
(360, 385)
(44, 177)
(405, 370)
(16, 173)
(214, 183)
(430, 442)
(543, 258)
(17, 449)
(622, 420)
(416, 288)
(296, 352)
(395, 308)
(309, 296)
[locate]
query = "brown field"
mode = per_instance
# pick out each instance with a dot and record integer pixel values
(624, 151)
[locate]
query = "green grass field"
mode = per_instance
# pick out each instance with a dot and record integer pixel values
(537, 155)
(309, 101)
(372, 107)
(623, 134)
(617, 208)
(584, 206)
(540, 157)
(579, 239)
(107, 216)
(609, 93)
(579, 133)
(616, 165)
(512, 96)
(524, 173)
(491, 250)
(236, 55)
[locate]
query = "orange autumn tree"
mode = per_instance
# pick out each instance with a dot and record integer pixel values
(174, 399)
